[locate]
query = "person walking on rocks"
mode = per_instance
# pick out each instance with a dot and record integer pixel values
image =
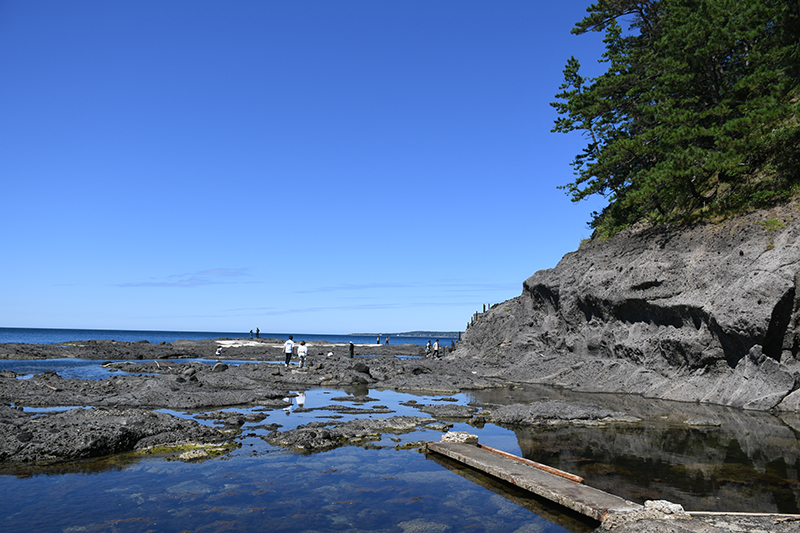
(288, 346)
(302, 352)
(258, 333)
(352, 349)
(428, 349)
(436, 348)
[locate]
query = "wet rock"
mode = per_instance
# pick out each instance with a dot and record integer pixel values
(85, 433)
(321, 436)
(361, 367)
(354, 399)
(557, 413)
(449, 411)
(219, 367)
(650, 521)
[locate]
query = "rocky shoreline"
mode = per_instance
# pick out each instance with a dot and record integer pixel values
(188, 375)
(121, 413)
(707, 312)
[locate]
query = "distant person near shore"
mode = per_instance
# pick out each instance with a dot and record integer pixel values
(258, 333)
(436, 348)
(288, 346)
(387, 340)
(302, 352)
(352, 349)
(251, 334)
(428, 349)
(378, 340)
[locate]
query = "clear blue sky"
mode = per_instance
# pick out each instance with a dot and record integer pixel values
(310, 166)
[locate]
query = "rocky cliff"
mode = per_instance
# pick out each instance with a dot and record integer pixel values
(704, 313)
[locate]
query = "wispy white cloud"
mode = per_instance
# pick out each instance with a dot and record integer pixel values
(213, 276)
(347, 287)
(354, 307)
(447, 286)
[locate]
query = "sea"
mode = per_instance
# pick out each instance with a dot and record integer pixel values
(58, 336)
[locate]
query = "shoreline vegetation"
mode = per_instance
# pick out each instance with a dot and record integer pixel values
(679, 133)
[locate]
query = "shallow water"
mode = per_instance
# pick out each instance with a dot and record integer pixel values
(257, 486)
(739, 461)
(705, 457)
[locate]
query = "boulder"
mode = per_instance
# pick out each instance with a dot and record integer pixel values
(459, 437)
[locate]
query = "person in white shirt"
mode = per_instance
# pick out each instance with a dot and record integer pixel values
(302, 352)
(288, 346)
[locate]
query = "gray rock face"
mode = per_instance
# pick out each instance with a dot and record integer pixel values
(321, 436)
(558, 412)
(94, 432)
(706, 313)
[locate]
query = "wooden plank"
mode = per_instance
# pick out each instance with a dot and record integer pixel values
(588, 501)
(534, 464)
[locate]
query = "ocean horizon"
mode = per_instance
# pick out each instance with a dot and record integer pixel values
(62, 335)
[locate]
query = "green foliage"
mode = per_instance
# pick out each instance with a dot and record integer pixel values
(696, 115)
(772, 224)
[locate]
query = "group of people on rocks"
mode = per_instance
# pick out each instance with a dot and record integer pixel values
(302, 351)
(432, 350)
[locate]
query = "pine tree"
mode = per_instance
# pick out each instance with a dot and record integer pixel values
(697, 113)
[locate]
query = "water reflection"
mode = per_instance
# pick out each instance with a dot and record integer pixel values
(543, 508)
(704, 457)
(381, 487)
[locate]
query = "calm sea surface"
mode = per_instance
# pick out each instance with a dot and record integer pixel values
(55, 336)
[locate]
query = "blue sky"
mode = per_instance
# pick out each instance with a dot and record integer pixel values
(304, 166)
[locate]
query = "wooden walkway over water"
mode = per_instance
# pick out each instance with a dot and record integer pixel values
(547, 482)
(568, 489)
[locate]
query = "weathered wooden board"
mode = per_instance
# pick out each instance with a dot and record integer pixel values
(571, 494)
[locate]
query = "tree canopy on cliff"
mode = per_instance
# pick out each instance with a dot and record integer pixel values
(697, 113)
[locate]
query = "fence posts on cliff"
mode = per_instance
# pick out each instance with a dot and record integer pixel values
(475, 316)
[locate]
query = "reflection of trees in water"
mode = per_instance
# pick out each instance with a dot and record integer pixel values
(702, 468)
(722, 460)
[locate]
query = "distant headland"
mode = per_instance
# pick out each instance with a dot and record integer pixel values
(439, 334)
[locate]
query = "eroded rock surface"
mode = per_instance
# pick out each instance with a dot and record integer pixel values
(94, 432)
(558, 413)
(320, 436)
(706, 313)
